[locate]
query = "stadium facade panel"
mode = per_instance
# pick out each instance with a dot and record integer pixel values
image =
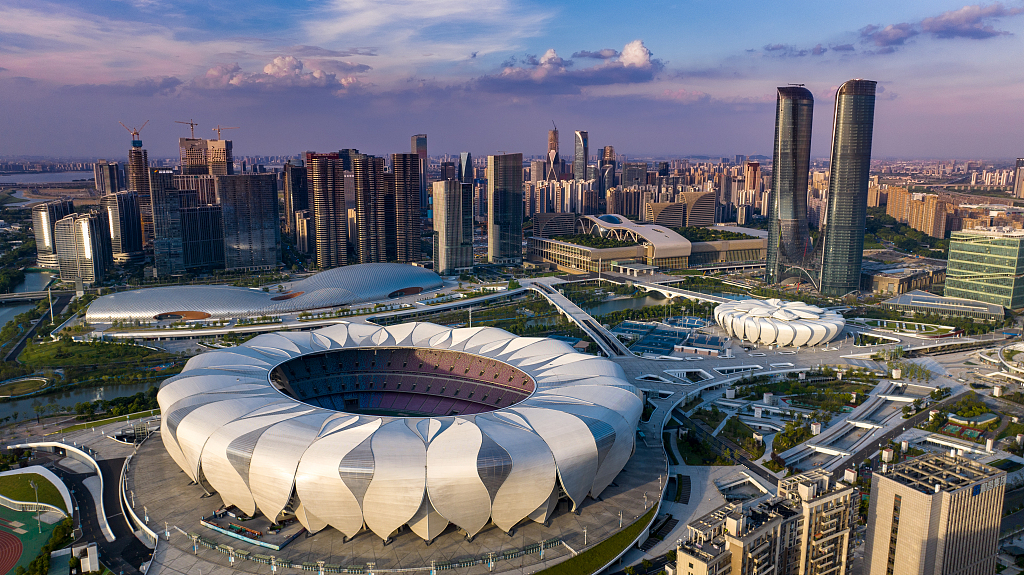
(357, 426)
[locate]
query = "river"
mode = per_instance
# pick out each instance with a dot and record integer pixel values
(34, 281)
(23, 407)
(46, 177)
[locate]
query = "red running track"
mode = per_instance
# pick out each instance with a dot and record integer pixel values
(10, 551)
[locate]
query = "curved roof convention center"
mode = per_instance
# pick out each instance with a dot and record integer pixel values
(664, 242)
(415, 424)
(335, 287)
(774, 321)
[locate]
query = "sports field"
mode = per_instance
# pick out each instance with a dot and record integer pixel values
(20, 540)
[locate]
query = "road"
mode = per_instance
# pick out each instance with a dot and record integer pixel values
(58, 304)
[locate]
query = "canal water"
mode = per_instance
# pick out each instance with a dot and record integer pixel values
(34, 281)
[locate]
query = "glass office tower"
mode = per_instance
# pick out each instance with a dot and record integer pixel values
(841, 246)
(789, 242)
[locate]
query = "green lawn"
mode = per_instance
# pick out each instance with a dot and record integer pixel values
(66, 353)
(590, 561)
(741, 434)
(17, 487)
(22, 387)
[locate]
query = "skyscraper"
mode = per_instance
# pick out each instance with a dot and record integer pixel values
(296, 193)
(842, 237)
(83, 247)
(202, 236)
(122, 209)
(44, 217)
(200, 156)
(466, 168)
(634, 174)
(252, 236)
(607, 165)
(303, 231)
(1018, 179)
(408, 226)
(453, 227)
(581, 155)
(554, 162)
(166, 223)
(505, 209)
(370, 208)
(934, 514)
(138, 182)
(326, 181)
(789, 242)
(419, 147)
(107, 176)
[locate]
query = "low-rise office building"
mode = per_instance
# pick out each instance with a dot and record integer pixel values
(918, 301)
(883, 278)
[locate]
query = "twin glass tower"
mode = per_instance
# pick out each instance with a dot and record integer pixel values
(833, 263)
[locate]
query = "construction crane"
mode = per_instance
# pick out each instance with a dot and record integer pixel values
(191, 125)
(134, 131)
(219, 128)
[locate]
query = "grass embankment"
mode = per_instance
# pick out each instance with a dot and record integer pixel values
(22, 387)
(107, 421)
(696, 452)
(17, 488)
(74, 354)
(601, 554)
(741, 434)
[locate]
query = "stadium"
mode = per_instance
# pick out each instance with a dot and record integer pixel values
(340, 286)
(358, 427)
(774, 321)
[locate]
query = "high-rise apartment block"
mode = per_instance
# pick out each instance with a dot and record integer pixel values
(370, 208)
(404, 200)
(934, 514)
(789, 242)
(296, 193)
(83, 247)
(580, 155)
(326, 182)
(505, 209)
(633, 174)
(44, 217)
(107, 177)
(842, 237)
(804, 531)
(453, 227)
(122, 210)
(249, 208)
(987, 264)
(924, 212)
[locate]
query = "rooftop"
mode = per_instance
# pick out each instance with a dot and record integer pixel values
(591, 241)
(940, 303)
(934, 472)
(994, 232)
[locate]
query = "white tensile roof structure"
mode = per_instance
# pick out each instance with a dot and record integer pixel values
(773, 321)
(415, 424)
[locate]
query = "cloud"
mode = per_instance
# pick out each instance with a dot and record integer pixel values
(283, 72)
(603, 54)
(891, 35)
(551, 74)
(969, 22)
(843, 48)
(318, 52)
(785, 51)
(819, 50)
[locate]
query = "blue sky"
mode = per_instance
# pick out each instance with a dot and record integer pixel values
(658, 77)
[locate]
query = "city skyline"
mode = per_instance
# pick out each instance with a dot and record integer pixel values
(666, 80)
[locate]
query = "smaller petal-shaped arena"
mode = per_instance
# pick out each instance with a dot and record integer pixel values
(773, 321)
(360, 427)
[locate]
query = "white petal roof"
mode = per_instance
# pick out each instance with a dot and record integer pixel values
(774, 321)
(571, 425)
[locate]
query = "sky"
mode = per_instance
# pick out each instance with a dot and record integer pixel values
(659, 77)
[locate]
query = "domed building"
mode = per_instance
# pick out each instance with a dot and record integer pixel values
(778, 322)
